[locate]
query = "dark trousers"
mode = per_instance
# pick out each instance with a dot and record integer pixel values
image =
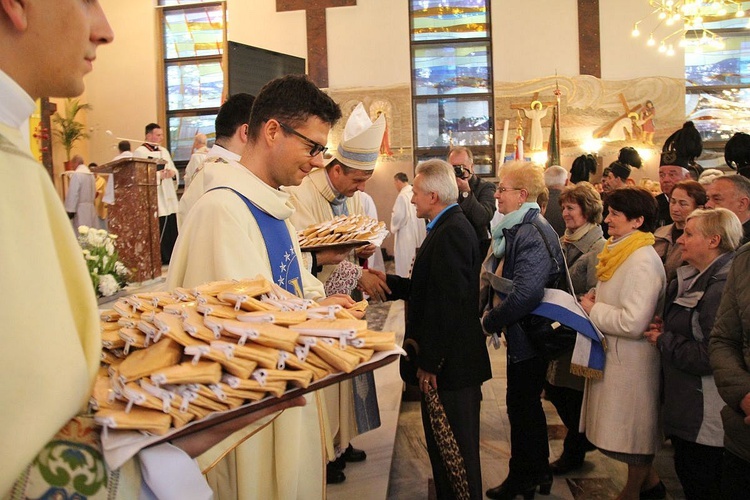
(735, 477)
(462, 410)
(699, 468)
(167, 236)
(529, 449)
(568, 404)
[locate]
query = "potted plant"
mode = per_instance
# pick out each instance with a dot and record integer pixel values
(69, 130)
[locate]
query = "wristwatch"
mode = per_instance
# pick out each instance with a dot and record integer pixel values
(465, 195)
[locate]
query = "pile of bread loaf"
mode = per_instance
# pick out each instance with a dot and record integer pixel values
(170, 358)
(342, 229)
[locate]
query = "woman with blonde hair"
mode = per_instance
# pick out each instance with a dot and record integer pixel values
(691, 408)
(621, 410)
(524, 259)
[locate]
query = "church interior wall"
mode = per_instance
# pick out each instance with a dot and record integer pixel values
(123, 89)
(368, 60)
(534, 38)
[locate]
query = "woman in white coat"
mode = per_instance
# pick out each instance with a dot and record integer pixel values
(621, 411)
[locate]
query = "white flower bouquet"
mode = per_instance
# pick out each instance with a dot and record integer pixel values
(107, 273)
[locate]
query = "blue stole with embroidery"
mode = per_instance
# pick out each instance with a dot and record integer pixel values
(281, 254)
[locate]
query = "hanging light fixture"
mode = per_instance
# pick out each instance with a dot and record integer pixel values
(692, 14)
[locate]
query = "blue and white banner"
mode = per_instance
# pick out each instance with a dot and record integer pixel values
(588, 355)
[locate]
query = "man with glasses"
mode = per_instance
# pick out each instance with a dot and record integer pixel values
(476, 197)
(324, 194)
(239, 229)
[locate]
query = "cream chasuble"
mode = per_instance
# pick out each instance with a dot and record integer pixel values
(280, 457)
(312, 202)
(50, 359)
(49, 315)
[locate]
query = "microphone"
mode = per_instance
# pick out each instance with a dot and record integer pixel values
(109, 133)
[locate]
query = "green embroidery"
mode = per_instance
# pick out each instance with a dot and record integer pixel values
(68, 464)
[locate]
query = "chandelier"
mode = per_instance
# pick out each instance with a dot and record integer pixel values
(686, 18)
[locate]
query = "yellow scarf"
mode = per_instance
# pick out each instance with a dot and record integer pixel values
(614, 255)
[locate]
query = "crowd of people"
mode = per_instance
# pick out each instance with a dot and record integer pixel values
(662, 278)
(658, 290)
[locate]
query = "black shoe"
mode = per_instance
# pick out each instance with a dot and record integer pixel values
(352, 454)
(334, 475)
(590, 446)
(509, 489)
(655, 492)
(339, 463)
(563, 465)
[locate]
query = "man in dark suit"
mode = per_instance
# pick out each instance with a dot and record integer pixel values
(669, 176)
(555, 178)
(443, 333)
(476, 196)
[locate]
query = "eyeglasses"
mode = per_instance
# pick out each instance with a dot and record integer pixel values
(502, 189)
(315, 147)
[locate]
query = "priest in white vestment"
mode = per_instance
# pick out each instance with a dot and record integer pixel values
(282, 457)
(167, 180)
(79, 199)
(198, 156)
(322, 195)
(47, 304)
(408, 230)
(375, 261)
(231, 138)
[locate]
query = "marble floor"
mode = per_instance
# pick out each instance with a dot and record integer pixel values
(408, 465)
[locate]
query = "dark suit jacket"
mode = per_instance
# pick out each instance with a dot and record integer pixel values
(441, 313)
(664, 217)
(554, 212)
(479, 208)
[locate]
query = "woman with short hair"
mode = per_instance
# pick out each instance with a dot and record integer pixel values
(621, 410)
(691, 402)
(582, 213)
(686, 197)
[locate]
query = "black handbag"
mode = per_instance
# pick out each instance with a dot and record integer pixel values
(550, 338)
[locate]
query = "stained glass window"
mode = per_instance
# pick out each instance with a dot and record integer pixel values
(728, 64)
(446, 121)
(193, 32)
(182, 2)
(449, 19)
(717, 92)
(452, 79)
(440, 69)
(182, 130)
(194, 86)
(194, 37)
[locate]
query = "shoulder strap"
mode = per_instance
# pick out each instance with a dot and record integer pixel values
(564, 270)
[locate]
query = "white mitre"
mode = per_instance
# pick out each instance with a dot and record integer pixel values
(360, 145)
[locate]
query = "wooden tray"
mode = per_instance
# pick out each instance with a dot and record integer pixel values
(247, 409)
(342, 245)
